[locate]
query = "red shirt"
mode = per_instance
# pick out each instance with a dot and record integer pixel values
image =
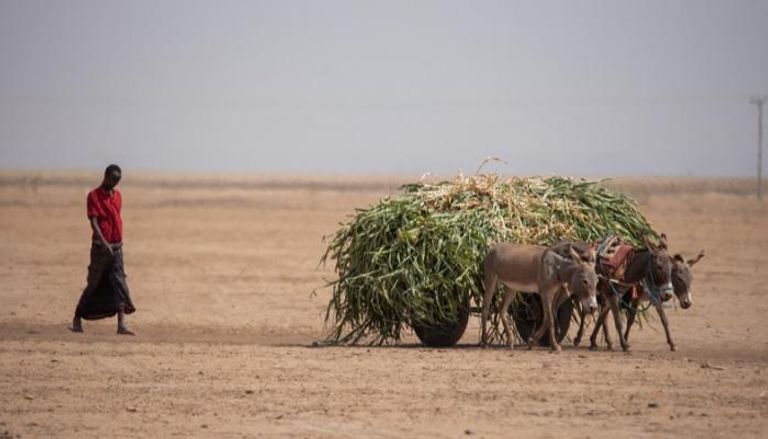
(105, 207)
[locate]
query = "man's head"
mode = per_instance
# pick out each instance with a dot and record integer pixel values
(112, 176)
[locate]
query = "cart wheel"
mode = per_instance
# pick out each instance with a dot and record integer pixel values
(443, 334)
(527, 313)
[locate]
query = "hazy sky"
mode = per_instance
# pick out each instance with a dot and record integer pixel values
(386, 87)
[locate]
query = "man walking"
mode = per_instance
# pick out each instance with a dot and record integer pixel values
(107, 291)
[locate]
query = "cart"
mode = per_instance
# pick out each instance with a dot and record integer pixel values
(526, 313)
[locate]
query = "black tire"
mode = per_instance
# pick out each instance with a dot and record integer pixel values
(527, 313)
(444, 334)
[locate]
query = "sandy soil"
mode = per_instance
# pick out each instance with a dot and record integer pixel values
(222, 272)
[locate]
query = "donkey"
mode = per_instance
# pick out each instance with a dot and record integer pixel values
(534, 268)
(650, 266)
(681, 283)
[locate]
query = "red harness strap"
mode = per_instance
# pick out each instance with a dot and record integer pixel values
(613, 262)
(619, 259)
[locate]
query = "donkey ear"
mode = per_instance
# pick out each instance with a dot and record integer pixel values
(663, 241)
(696, 259)
(574, 254)
(678, 257)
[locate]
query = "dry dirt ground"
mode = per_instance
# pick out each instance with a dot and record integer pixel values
(222, 271)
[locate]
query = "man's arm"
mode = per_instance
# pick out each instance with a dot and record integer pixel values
(97, 230)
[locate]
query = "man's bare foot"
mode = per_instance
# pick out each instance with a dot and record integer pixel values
(77, 325)
(125, 331)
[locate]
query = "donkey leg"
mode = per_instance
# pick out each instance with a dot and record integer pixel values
(551, 320)
(604, 327)
(614, 302)
(582, 317)
(534, 339)
(598, 324)
(563, 296)
(663, 317)
(490, 289)
(607, 337)
(508, 296)
(630, 319)
(560, 297)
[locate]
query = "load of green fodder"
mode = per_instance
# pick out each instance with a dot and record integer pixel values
(415, 258)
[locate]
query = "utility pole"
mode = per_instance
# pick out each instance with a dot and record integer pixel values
(759, 101)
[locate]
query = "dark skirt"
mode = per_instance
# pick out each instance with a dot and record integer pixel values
(107, 291)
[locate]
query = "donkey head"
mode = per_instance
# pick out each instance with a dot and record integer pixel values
(682, 278)
(583, 281)
(660, 267)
